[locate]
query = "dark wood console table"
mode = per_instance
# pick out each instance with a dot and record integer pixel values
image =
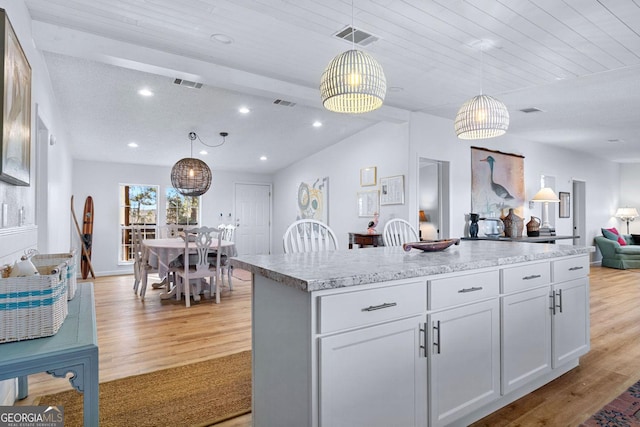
(365, 239)
(537, 239)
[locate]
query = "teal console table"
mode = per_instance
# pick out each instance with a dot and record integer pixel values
(73, 349)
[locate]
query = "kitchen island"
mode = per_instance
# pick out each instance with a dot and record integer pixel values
(381, 337)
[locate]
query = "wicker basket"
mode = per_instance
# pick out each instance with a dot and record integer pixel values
(41, 260)
(33, 306)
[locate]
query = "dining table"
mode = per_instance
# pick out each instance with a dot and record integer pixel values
(160, 253)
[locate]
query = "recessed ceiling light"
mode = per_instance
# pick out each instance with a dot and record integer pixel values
(395, 89)
(615, 141)
(263, 158)
(317, 124)
(221, 38)
(244, 110)
(204, 152)
(132, 144)
(145, 92)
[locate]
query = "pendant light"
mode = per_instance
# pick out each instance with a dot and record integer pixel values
(353, 82)
(482, 116)
(189, 176)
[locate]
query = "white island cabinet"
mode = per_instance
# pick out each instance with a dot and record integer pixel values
(383, 337)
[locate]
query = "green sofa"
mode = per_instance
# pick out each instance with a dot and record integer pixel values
(616, 256)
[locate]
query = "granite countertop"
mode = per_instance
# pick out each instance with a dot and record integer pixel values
(327, 270)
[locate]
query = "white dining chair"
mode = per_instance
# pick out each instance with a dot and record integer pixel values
(140, 267)
(398, 231)
(309, 235)
(229, 235)
(200, 265)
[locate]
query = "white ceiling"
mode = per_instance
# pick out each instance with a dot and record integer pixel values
(577, 60)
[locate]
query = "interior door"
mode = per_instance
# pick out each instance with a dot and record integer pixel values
(253, 218)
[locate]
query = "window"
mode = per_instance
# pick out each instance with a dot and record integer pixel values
(182, 210)
(138, 207)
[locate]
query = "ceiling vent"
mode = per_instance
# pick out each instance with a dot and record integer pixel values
(532, 110)
(187, 83)
(284, 103)
(358, 37)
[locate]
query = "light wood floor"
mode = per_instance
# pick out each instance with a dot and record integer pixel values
(137, 337)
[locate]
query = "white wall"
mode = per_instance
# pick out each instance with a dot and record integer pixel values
(15, 239)
(434, 138)
(101, 181)
(383, 145)
(630, 194)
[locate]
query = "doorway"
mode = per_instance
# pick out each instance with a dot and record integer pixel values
(253, 218)
(579, 212)
(42, 178)
(433, 198)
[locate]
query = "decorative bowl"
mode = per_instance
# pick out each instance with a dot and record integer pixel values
(431, 245)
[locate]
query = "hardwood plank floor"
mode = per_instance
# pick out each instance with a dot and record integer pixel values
(137, 337)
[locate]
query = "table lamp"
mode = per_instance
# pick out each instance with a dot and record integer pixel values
(546, 196)
(627, 214)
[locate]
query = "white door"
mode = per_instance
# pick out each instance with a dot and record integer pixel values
(374, 377)
(253, 218)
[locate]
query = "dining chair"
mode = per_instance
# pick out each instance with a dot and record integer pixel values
(170, 231)
(229, 235)
(309, 235)
(398, 231)
(140, 267)
(199, 265)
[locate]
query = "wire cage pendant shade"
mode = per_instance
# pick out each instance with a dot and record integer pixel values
(482, 117)
(191, 177)
(353, 82)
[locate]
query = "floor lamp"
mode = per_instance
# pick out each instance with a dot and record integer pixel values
(546, 196)
(627, 214)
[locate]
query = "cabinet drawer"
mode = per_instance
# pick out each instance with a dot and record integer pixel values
(359, 308)
(462, 289)
(525, 277)
(570, 268)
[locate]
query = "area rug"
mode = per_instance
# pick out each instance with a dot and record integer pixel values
(241, 274)
(200, 394)
(624, 410)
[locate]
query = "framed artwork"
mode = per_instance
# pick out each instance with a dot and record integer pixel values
(565, 205)
(368, 176)
(497, 183)
(392, 190)
(313, 199)
(368, 203)
(15, 154)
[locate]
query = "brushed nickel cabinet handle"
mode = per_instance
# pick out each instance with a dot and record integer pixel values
(423, 335)
(560, 299)
(576, 268)
(553, 302)
(472, 289)
(380, 307)
(437, 342)
(533, 276)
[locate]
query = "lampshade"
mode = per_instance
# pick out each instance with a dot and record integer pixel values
(482, 117)
(625, 213)
(191, 177)
(546, 194)
(353, 82)
(423, 217)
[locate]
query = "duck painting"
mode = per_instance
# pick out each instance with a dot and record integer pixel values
(498, 189)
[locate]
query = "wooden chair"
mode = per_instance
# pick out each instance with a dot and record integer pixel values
(398, 231)
(199, 265)
(309, 235)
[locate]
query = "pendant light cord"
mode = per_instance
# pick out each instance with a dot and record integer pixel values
(353, 29)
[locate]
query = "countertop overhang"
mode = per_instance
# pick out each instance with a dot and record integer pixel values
(328, 270)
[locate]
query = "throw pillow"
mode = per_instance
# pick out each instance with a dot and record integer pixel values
(612, 234)
(23, 269)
